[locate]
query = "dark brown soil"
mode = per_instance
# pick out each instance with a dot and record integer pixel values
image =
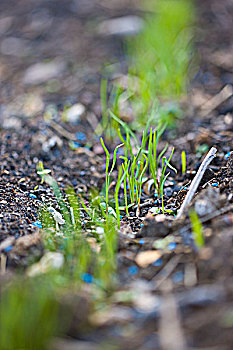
(184, 300)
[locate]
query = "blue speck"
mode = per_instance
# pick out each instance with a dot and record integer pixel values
(133, 270)
(141, 225)
(156, 201)
(178, 277)
(31, 195)
(37, 224)
(120, 216)
(87, 277)
(75, 144)
(215, 184)
(171, 246)
(80, 136)
(8, 249)
(156, 194)
(141, 241)
(158, 262)
(227, 155)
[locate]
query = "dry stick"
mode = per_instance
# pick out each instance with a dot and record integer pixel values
(216, 100)
(170, 329)
(196, 181)
(2, 263)
(163, 274)
(63, 132)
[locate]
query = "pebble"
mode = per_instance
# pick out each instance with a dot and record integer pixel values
(41, 72)
(50, 261)
(13, 47)
(5, 23)
(73, 115)
(168, 191)
(11, 123)
(125, 26)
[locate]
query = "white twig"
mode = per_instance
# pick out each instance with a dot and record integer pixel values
(196, 181)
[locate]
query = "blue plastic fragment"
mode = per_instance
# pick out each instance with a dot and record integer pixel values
(31, 195)
(158, 262)
(37, 224)
(75, 144)
(120, 216)
(227, 155)
(80, 136)
(141, 225)
(141, 241)
(8, 249)
(133, 270)
(178, 277)
(215, 184)
(171, 246)
(87, 277)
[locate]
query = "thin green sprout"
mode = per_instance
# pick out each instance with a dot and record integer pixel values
(183, 162)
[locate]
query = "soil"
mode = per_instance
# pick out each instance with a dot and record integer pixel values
(184, 300)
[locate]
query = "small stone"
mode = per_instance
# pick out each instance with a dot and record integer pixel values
(12, 123)
(40, 73)
(168, 191)
(127, 25)
(147, 257)
(50, 261)
(74, 113)
(5, 24)
(13, 47)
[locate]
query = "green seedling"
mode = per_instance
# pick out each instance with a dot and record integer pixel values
(154, 159)
(72, 242)
(107, 125)
(161, 54)
(107, 171)
(139, 182)
(135, 166)
(197, 229)
(120, 179)
(183, 162)
(161, 191)
(29, 314)
(41, 171)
